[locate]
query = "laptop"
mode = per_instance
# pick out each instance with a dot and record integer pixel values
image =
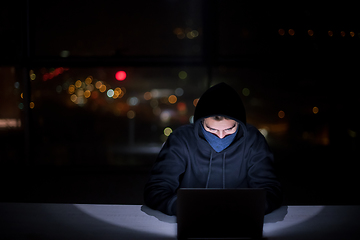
(220, 213)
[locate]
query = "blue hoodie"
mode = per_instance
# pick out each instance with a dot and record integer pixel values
(188, 161)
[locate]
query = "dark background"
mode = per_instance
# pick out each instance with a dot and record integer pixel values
(59, 145)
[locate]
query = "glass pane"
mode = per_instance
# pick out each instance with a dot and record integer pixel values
(12, 31)
(110, 115)
(276, 30)
(244, 28)
(125, 28)
(11, 111)
(296, 108)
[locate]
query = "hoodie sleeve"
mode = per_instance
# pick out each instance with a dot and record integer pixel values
(160, 190)
(261, 171)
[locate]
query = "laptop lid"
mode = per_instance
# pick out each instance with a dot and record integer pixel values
(220, 213)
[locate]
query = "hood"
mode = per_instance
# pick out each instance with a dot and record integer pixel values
(223, 100)
(220, 99)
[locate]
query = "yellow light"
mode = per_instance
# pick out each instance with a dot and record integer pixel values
(281, 114)
(172, 99)
(189, 35)
(118, 93)
(330, 33)
(246, 92)
(123, 90)
(352, 133)
(71, 89)
(73, 98)
(315, 110)
(87, 93)
(33, 76)
(352, 34)
(88, 80)
(342, 33)
(167, 131)
(291, 32)
(102, 88)
(98, 84)
(182, 75)
(32, 105)
(310, 32)
(195, 102)
(78, 84)
(80, 93)
(194, 33)
(22, 95)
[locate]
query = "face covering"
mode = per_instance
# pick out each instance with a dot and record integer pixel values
(218, 144)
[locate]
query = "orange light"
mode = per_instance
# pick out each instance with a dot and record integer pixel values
(330, 33)
(310, 32)
(88, 80)
(87, 93)
(291, 32)
(181, 106)
(71, 89)
(195, 102)
(172, 99)
(281, 114)
(315, 110)
(147, 95)
(281, 32)
(102, 88)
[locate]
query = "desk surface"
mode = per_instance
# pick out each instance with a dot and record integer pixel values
(88, 221)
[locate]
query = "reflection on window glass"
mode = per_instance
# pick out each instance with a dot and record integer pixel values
(96, 115)
(11, 124)
(244, 28)
(273, 105)
(124, 28)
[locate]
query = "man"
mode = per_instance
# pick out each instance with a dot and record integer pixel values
(220, 150)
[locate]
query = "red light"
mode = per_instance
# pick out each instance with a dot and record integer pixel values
(120, 75)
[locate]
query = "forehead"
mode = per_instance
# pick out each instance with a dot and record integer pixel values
(219, 125)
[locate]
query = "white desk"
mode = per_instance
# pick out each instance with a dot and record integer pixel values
(86, 221)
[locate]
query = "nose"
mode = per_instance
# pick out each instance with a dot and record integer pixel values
(221, 134)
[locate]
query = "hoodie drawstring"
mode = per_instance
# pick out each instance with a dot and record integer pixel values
(209, 173)
(223, 171)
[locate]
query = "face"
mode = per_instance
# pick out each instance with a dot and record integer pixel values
(220, 128)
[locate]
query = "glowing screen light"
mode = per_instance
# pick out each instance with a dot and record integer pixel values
(120, 75)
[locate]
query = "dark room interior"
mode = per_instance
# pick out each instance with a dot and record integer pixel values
(91, 91)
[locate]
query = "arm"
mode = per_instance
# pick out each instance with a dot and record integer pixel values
(261, 172)
(160, 190)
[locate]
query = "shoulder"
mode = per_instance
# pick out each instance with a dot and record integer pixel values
(252, 130)
(180, 139)
(182, 135)
(254, 135)
(184, 131)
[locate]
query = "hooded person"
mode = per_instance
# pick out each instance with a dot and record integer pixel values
(219, 150)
